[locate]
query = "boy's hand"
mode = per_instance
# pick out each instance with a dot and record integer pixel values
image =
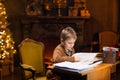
(77, 58)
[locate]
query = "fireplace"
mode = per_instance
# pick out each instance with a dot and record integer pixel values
(47, 30)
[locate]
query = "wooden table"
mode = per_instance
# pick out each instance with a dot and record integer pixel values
(100, 72)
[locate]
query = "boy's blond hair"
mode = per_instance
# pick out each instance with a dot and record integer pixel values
(68, 33)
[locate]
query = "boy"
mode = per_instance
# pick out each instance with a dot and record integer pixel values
(65, 50)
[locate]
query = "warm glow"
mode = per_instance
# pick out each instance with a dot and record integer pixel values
(6, 40)
(60, 4)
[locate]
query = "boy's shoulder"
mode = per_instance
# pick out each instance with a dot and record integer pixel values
(59, 47)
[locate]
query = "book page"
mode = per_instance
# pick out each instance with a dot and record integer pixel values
(86, 58)
(87, 62)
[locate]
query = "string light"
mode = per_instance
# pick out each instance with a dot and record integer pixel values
(6, 40)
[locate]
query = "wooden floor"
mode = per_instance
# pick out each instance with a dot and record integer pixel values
(17, 75)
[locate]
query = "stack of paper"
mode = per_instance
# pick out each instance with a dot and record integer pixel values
(87, 62)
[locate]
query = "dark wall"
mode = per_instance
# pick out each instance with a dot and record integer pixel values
(14, 9)
(103, 17)
(118, 16)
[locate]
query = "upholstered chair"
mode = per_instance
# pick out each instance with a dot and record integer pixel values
(31, 58)
(105, 38)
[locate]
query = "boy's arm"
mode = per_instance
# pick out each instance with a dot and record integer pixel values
(60, 56)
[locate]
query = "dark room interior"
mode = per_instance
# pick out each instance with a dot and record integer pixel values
(53, 16)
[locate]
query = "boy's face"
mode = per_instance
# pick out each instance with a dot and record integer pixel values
(69, 43)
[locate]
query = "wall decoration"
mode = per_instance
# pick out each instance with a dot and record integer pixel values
(56, 7)
(33, 7)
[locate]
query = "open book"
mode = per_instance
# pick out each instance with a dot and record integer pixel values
(87, 58)
(87, 62)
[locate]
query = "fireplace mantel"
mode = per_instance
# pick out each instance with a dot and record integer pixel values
(70, 18)
(47, 29)
(77, 21)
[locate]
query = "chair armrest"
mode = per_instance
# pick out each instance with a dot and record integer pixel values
(27, 67)
(93, 43)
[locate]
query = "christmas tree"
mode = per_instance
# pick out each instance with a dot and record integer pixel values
(6, 40)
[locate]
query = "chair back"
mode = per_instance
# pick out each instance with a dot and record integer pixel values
(107, 38)
(31, 53)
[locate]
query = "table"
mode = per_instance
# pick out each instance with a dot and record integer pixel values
(100, 72)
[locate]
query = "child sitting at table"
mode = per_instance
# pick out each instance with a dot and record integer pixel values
(65, 50)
